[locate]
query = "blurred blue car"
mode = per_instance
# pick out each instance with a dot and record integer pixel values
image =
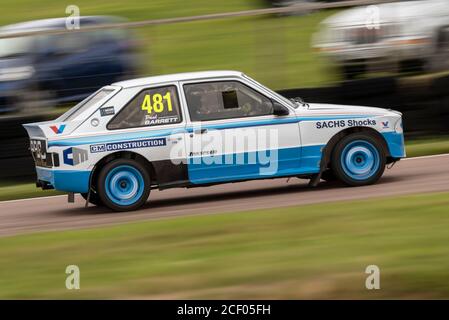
(45, 70)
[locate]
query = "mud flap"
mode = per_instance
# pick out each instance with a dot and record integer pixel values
(71, 197)
(315, 180)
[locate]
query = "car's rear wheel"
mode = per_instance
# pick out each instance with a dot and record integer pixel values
(358, 159)
(124, 185)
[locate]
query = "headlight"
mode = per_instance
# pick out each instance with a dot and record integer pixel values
(18, 73)
(398, 126)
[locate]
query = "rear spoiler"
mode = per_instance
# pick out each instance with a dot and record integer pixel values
(50, 129)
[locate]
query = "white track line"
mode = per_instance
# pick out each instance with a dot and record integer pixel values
(35, 198)
(426, 157)
(59, 196)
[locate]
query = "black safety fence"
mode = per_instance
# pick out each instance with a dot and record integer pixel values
(423, 102)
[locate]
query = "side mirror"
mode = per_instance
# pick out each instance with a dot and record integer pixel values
(279, 109)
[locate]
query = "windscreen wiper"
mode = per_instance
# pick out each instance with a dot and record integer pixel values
(299, 101)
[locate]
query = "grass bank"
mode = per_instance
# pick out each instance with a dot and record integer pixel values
(313, 251)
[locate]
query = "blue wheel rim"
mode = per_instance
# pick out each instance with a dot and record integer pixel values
(360, 160)
(124, 185)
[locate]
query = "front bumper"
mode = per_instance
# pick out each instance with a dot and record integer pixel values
(385, 52)
(396, 144)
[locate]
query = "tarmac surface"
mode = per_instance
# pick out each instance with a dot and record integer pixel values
(409, 176)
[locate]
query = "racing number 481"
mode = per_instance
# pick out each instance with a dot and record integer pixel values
(155, 102)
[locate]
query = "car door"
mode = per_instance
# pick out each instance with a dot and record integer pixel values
(151, 123)
(232, 133)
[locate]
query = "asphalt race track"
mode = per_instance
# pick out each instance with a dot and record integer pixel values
(416, 175)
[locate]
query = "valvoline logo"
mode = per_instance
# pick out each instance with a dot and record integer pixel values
(58, 130)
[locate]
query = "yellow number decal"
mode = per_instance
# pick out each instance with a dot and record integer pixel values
(167, 97)
(146, 104)
(157, 105)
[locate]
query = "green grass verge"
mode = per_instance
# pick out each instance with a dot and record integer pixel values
(313, 251)
(427, 146)
(11, 190)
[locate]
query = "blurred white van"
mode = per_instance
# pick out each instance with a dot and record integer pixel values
(400, 36)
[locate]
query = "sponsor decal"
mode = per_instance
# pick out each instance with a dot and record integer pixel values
(202, 153)
(74, 156)
(155, 120)
(107, 111)
(385, 124)
(58, 130)
(116, 146)
(38, 150)
(344, 123)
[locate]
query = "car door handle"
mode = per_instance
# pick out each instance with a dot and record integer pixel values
(200, 131)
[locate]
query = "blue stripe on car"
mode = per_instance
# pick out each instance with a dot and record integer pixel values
(117, 137)
(254, 165)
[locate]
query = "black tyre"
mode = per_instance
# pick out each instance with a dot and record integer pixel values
(93, 199)
(123, 185)
(358, 159)
(351, 72)
(328, 176)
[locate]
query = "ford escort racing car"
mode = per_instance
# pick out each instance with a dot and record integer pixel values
(204, 128)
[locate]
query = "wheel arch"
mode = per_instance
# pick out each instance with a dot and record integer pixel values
(120, 155)
(329, 148)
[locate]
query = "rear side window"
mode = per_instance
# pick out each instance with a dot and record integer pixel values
(150, 107)
(85, 104)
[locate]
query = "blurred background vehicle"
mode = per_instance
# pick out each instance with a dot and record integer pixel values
(407, 36)
(51, 69)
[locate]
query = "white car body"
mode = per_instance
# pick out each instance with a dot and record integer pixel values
(68, 153)
(383, 36)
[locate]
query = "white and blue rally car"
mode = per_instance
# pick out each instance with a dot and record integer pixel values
(204, 128)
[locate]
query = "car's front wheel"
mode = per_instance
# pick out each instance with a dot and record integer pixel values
(358, 159)
(124, 185)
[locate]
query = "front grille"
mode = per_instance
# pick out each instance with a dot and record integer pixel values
(40, 155)
(363, 35)
(5, 104)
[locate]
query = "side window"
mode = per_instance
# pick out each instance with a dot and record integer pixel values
(151, 107)
(224, 100)
(68, 44)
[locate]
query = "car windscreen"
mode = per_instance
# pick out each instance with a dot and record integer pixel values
(284, 99)
(85, 104)
(12, 47)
